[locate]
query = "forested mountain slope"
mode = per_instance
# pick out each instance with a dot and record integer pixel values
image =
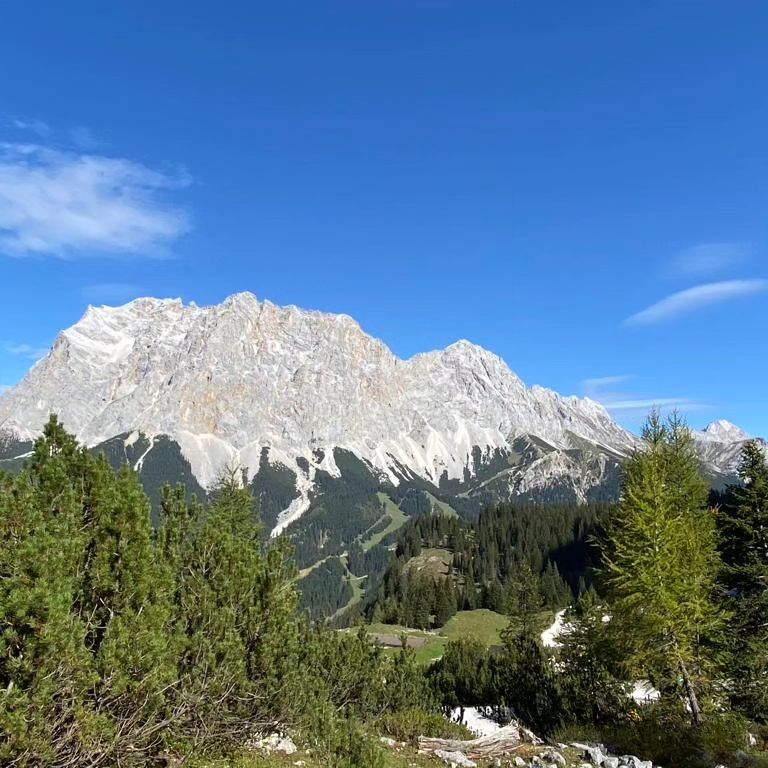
(340, 440)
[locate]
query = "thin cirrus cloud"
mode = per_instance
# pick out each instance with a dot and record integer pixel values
(648, 404)
(601, 382)
(27, 351)
(709, 258)
(601, 389)
(38, 127)
(696, 298)
(72, 204)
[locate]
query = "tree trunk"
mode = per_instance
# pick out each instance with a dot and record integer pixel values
(693, 701)
(504, 742)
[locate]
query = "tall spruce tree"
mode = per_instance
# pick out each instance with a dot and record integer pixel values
(524, 599)
(743, 523)
(662, 564)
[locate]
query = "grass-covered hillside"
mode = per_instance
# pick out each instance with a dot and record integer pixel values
(482, 625)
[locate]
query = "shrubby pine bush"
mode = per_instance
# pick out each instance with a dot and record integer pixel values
(120, 641)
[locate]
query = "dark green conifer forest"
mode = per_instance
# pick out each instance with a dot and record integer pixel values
(549, 545)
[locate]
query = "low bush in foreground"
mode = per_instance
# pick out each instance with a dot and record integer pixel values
(407, 725)
(120, 642)
(669, 738)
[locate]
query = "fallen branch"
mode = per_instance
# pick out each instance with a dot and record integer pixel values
(504, 742)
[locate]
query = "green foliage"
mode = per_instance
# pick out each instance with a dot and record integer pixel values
(464, 676)
(83, 610)
(524, 600)
(527, 683)
(665, 735)
(743, 524)
(663, 563)
(489, 557)
(118, 641)
(589, 677)
(45, 668)
(157, 459)
(274, 488)
(348, 746)
(409, 724)
(325, 589)
(342, 509)
(234, 608)
(352, 675)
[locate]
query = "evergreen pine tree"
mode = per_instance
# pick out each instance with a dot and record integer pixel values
(45, 670)
(743, 522)
(524, 601)
(444, 606)
(127, 599)
(462, 676)
(662, 563)
(235, 609)
(496, 597)
(588, 667)
(528, 683)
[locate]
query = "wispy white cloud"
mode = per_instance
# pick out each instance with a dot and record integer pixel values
(709, 258)
(111, 292)
(28, 351)
(698, 297)
(83, 138)
(599, 383)
(71, 205)
(648, 404)
(38, 127)
(623, 403)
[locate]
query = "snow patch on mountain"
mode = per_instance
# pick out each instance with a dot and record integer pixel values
(225, 379)
(229, 380)
(723, 431)
(304, 485)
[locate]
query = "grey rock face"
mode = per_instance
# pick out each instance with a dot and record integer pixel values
(228, 380)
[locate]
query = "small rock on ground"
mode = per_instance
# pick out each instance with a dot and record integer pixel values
(455, 759)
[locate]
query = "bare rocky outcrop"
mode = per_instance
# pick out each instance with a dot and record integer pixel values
(228, 380)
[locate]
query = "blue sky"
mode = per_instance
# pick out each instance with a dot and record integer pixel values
(579, 187)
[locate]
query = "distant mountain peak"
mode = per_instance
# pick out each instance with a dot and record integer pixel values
(227, 381)
(726, 432)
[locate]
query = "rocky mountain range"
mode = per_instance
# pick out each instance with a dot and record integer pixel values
(328, 425)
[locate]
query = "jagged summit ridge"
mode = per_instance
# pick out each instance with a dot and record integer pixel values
(724, 431)
(229, 379)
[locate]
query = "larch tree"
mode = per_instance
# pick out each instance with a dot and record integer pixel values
(662, 565)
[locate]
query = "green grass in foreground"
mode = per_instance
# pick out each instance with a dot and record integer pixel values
(481, 624)
(398, 757)
(401, 756)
